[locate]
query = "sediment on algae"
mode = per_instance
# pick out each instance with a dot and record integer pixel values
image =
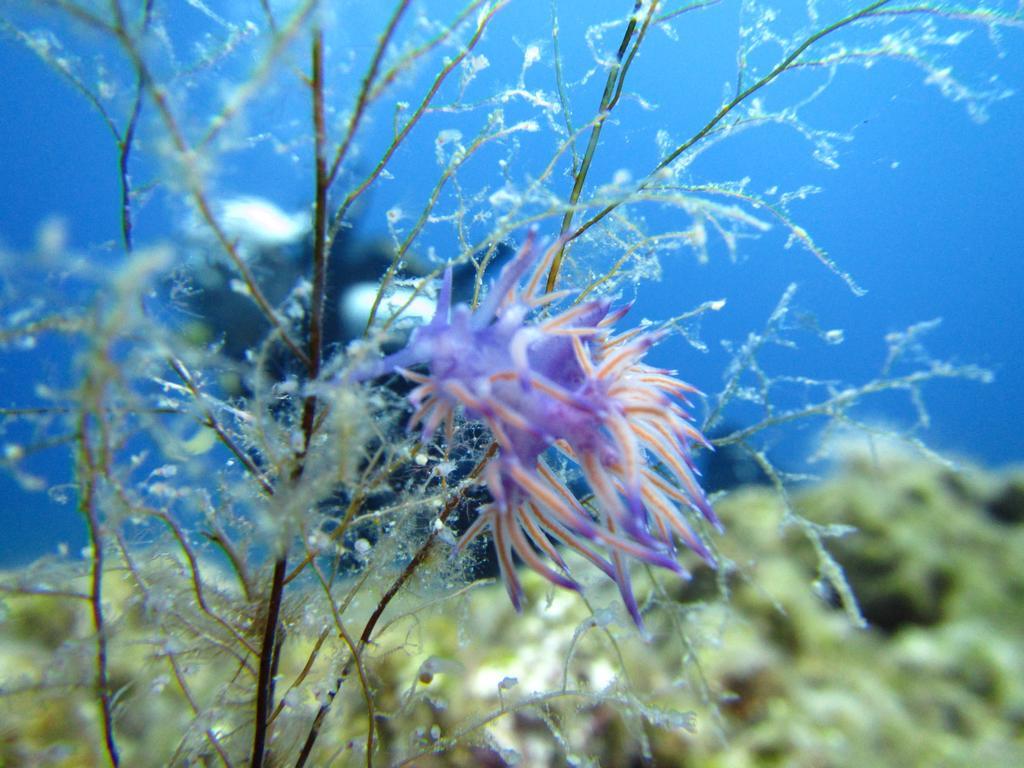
(774, 674)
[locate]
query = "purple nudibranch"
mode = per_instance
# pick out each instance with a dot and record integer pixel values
(563, 382)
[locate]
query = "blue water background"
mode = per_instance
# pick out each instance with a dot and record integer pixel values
(926, 211)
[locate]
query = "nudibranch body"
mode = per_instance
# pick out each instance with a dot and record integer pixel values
(543, 381)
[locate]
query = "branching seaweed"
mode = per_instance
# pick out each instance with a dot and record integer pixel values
(269, 576)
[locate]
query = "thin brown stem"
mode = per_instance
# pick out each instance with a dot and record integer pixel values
(188, 156)
(211, 737)
(125, 142)
(88, 474)
(210, 420)
(785, 64)
(610, 97)
(272, 639)
(450, 65)
(320, 244)
(382, 604)
(265, 678)
(363, 100)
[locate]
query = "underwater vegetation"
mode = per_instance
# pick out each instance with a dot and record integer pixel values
(288, 523)
(795, 683)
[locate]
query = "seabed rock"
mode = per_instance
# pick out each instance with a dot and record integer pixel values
(749, 666)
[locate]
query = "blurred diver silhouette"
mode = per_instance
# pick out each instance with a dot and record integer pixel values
(276, 247)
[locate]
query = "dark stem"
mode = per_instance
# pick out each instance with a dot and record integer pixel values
(784, 65)
(320, 253)
(125, 142)
(87, 506)
(610, 97)
(382, 604)
(268, 651)
(126, 188)
(272, 640)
